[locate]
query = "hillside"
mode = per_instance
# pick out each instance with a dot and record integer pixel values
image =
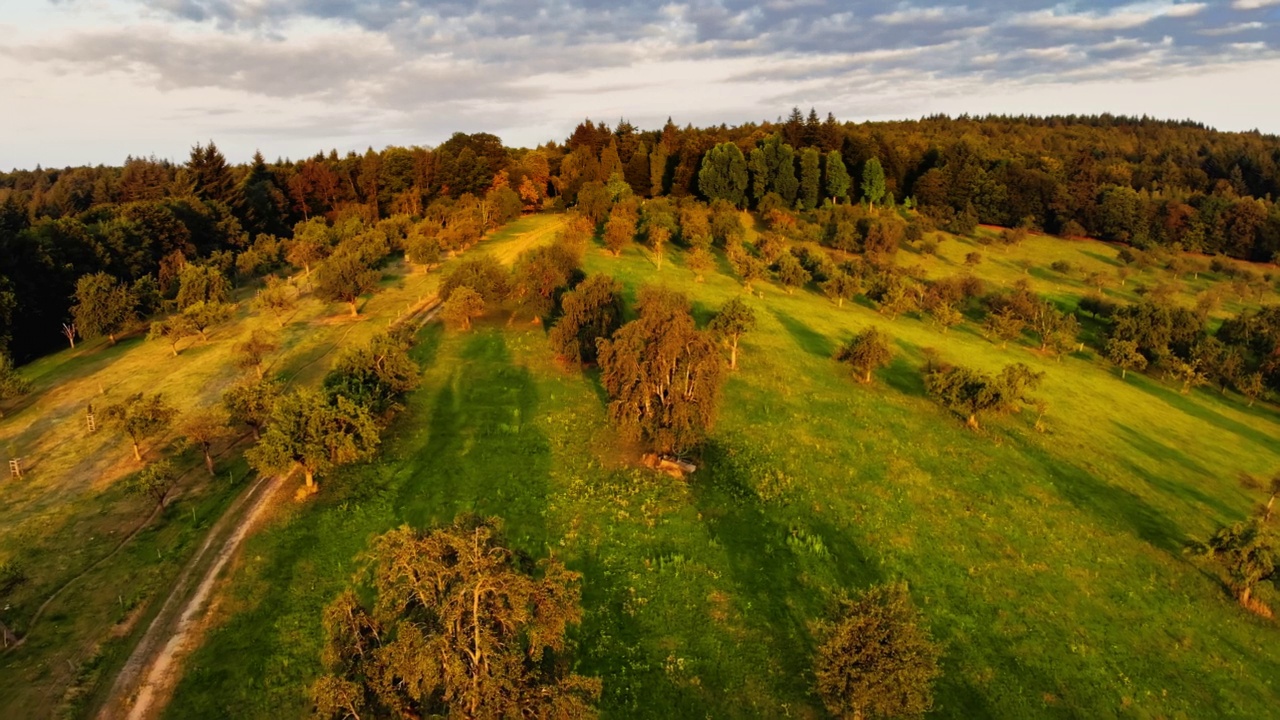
(1049, 563)
(97, 561)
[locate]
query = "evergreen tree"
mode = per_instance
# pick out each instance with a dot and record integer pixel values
(838, 181)
(873, 184)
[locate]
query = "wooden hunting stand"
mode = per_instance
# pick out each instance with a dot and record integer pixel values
(90, 421)
(15, 468)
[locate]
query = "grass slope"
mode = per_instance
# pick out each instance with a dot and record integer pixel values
(1049, 564)
(68, 515)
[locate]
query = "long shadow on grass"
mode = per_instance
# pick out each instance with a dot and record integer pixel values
(1113, 505)
(806, 337)
(613, 648)
(483, 452)
(774, 566)
(1197, 408)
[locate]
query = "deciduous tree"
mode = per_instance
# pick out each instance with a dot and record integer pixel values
(140, 416)
(155, 481)
(250, 403)
(663, 375)
(277, 298)
(308, 431)
(1124, 355)
(202, 428)
(376, 374)
(735, 319)
(866, 351)
(591, 311)
(876, 660)
(252, 353)
(463, 306)
(461, 626)
(841, 286)
(344, 277)
(104, 306)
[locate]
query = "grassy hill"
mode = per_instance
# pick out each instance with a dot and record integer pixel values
(1049, 563)
(69, 526)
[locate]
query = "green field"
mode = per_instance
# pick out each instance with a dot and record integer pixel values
(1049, 564)
(69, 523)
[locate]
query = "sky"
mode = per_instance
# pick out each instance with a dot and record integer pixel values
(93, 81)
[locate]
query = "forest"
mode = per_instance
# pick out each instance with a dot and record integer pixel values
(957, 417)
(1149, 183)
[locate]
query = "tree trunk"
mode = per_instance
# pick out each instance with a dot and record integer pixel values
(733, 356)
(311, 478)
(174, 348)
(208, 461)
(839, 302)
(1123, 373)
(866, 377)
(972, 422)
(7, 635)
(112, 338)
(137, 452)
(354, 310)
(1245, 593)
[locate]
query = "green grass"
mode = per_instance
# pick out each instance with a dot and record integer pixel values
(1048, 564)
(70, 511)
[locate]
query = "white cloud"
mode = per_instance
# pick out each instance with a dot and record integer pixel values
(1122, 18)
(921, 15)
(1232, 29)
(1253, 4)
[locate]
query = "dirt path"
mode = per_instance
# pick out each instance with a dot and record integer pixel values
(149, 676)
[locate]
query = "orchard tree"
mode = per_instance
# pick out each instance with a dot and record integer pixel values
(866, 351)
(376, 374)
(658, 236)
(589, 312)
(1124, 355)
(876, 660)
(250, 403)
(277, 298)
(735, 319)
(202, 284)
(484, 274)
(104, 306)
(202, 428)
(1247, 551)
(699, 260)
(972, 393)
(662, 374)
(202, 316)
(460, 626)
(619, 231)
(463, 305)
(841, 286)
(344, 277)
(1004, 326)
(140, 416)
(173, 330)
(252, 353)
(790, 273)
(1252, 386)
(747, 266)
(309, 432)
(539, 275)
(155, 481)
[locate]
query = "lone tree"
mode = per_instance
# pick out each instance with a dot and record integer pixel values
(1246, 551)
(173, 330)
(1124, 355)
(838, 181)
(250, 403)
(140, 416)
(589, 312)
(699, 260)
(735, 319)
(866, 351)
(202, 284)
(104, 306)
(971, 392)
(841, 286)
(277, 298)
(155, 481)
(204, 315)
(463, 305)
(375, 374)
(461, 626)
(309, 432)
(252, 353)
(663, 375)
(791, 274)
(876, 660)
(203, 428)
(344, 277)
(619, 230)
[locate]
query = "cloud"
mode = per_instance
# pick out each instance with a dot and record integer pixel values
(1253, 4)
(1122, 18)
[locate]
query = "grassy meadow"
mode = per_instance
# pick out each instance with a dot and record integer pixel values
(69, 524)
(1049, 563)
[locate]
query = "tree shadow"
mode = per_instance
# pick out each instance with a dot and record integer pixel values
(1163, 453)
(810, 341)
(904, 377)
(1189, 404)
(1101, 258)
(775, 581)
(1112, 505)
(484, 454)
